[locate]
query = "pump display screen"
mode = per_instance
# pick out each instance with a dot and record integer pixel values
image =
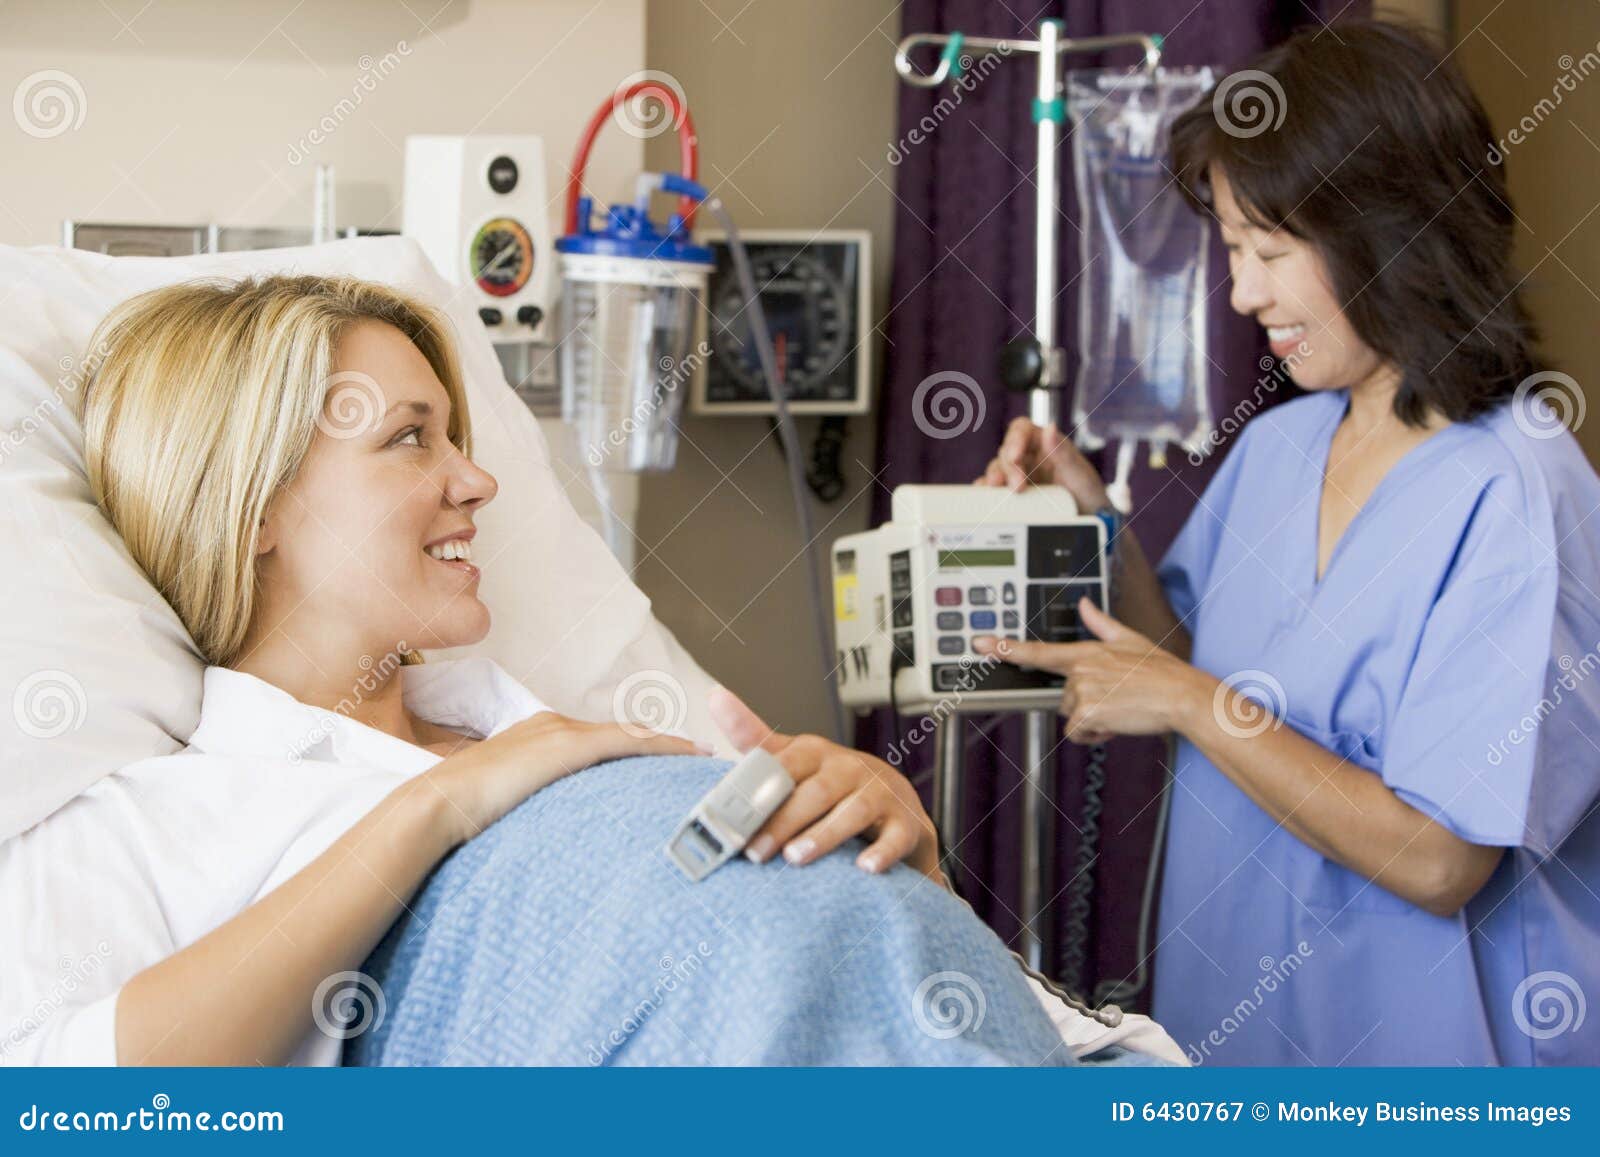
(966, 558)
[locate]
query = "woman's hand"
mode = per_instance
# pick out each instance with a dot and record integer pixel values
(242, 994)
(1121, 685)
(839, 793)
(490, 778)
(1032, 455)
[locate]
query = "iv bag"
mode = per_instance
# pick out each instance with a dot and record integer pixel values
(1142, 286)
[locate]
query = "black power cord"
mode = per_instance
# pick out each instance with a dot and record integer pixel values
(1074, 955)
(824, 475)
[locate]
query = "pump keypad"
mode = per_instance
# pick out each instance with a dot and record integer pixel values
(979, 620)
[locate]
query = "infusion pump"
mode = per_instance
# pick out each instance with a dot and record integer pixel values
(953, 563)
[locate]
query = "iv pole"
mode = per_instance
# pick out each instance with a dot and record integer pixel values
(1037, 366)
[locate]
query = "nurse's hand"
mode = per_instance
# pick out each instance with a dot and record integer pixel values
(1032, 455)
(1123, 684)
(839, 792)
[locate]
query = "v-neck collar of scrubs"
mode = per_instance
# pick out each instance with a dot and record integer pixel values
(1408, 463)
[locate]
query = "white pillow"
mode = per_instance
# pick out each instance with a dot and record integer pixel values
(96, 667)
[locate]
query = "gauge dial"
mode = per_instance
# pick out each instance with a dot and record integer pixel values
(501, 257)
(808, 312)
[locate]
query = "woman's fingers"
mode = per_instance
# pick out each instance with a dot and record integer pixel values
(1080, 728)
(588, 747)
(1057, 657)
(896, 841)
(840, 794)
(1018, 452)
(817, 789)
(1104, 627)
(1051, 441)
(871, 809)
(1087, 736)
(1020, 438)
(852, 815)
(673, 745)
(743, 727)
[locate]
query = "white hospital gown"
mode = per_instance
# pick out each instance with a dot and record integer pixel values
(152, 858)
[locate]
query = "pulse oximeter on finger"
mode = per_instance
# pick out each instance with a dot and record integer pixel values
(718, 827)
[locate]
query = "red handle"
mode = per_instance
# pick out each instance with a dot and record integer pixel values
(688, 144)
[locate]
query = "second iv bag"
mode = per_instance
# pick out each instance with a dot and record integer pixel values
(1142, 289)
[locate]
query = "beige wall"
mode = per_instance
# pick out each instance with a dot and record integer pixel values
(1431, 14)
(1513, 62)
(192, 110)
(795, 106)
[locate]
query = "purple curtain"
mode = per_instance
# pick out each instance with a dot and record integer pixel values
(963, 286)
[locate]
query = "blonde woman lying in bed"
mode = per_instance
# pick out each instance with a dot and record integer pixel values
(288, 460)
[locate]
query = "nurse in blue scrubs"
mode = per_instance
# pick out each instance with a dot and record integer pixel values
(1378, 635)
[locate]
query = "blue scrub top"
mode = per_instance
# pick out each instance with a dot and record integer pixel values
(1452, 647)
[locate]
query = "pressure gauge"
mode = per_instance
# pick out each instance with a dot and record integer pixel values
(813, 288)
(501, 257)
(807, 315)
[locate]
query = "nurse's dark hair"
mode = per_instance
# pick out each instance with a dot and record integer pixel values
(1385, 161)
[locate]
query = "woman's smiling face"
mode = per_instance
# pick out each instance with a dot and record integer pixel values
(368, 543)
(1281, 281)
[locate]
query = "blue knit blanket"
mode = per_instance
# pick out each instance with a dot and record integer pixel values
(563, 935)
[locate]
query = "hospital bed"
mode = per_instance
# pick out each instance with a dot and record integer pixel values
(121, 652)
(109, 670)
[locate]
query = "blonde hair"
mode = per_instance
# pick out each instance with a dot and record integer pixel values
(201, 404)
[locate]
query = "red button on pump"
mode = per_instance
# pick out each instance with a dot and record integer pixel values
(947, 596)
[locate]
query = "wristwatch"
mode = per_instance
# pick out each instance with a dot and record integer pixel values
(1113, 520)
